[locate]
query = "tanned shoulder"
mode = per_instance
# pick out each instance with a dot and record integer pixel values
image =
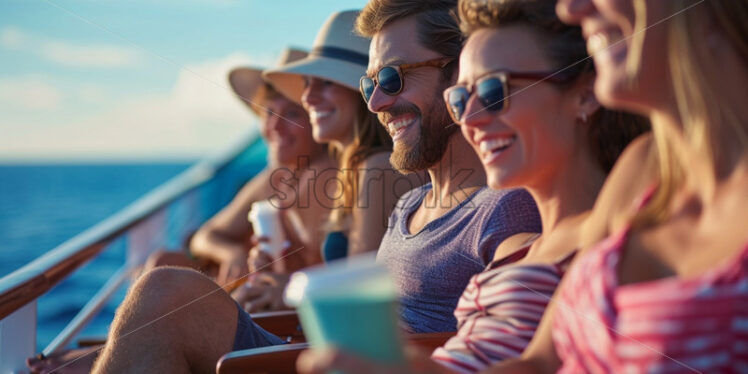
(633, 173)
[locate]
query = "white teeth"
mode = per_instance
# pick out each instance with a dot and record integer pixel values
(319, 114)
(397, 125)
(490, 145)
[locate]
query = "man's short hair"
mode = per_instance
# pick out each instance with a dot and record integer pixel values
(438, 29)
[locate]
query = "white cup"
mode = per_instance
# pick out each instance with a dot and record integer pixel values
(266, 222)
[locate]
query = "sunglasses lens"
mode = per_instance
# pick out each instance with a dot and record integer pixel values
(367, 88)
(389, 80)
(457, 99)
(491, 94)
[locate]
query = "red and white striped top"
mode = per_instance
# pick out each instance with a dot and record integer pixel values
(670, 325)
(499, 311)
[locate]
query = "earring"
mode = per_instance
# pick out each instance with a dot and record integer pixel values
(584, 118)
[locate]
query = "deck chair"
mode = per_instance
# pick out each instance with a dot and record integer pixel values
(282, 358)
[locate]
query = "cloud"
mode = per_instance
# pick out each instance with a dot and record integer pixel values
(12, 37)
(90, 56)
(70, 54)
(31, 92)
(199, 116)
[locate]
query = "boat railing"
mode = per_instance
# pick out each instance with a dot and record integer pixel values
(163, 218)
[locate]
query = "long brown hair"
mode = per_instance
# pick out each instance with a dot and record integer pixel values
(369, 138)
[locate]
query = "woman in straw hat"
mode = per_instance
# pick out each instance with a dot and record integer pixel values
(224, 239)
(219, 247)
(285, 126)
(326, 84)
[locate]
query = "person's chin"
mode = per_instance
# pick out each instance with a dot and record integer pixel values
(497, 180)
(402, 162)
(613, 91)
(320, 136)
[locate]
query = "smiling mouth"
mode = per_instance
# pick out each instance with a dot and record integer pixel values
(492, 148)
(316, 115)
(397, 126)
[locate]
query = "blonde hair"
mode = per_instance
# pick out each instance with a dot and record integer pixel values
(702, 113)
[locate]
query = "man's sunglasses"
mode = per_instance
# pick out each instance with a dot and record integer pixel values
(493, 90)
(390, 77)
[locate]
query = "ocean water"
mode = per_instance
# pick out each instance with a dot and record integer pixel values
(41, 206)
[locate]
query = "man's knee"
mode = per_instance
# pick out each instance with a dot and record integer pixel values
(170, 289)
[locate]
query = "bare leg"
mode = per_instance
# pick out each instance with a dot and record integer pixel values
(173, 320)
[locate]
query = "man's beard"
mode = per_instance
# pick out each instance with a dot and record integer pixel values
(435, 132)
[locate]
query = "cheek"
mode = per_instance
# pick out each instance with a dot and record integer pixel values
(653, 67)
(425, 93)
(346, 105)
(540, 122)
(467, 133)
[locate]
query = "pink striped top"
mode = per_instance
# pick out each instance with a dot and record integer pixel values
(499, 311)
(671, 325)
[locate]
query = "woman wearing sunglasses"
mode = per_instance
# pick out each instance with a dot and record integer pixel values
(525, 102)
(535, 125)
(665, 291)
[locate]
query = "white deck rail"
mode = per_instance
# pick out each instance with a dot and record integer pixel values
(191, 197)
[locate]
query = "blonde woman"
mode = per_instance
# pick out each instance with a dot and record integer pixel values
(666, 290)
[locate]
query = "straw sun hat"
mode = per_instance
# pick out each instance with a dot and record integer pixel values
(248, 85)
(338, 55)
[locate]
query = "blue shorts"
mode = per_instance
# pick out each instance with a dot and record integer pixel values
(251, 335)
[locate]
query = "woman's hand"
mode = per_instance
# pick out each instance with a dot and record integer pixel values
(263, 292)
(232, 268)
(291, 258)
(259, 261)
(325, 360)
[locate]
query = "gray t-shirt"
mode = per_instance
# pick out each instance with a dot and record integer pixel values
(431, 268)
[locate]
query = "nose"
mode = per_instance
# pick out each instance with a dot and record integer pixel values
(273, 122)
(475, 114)
(310, 96)
(571, 11)
(379, 101)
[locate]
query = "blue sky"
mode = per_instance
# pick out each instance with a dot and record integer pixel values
(105, 80)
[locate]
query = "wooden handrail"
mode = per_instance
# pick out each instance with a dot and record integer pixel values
(90, 310)
(37, 277)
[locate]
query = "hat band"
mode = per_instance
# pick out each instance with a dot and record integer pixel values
(341, 54)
